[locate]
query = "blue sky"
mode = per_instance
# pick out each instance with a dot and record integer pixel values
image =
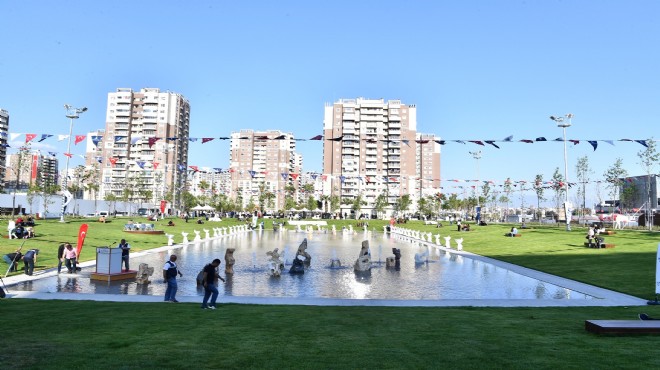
(476, 70)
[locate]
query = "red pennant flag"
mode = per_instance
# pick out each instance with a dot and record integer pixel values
(324, 177)
(152, 141)
(194, 168)
(294, 175)
(68, 155)
(156, 165)
(29, 137)
(79, 138)
(113, 161)
(207, 139)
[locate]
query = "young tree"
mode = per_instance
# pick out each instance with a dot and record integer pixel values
(559, 189)
(648, 159)
(312, 204)
(539, 189)
(628, 193)
(334, 203)
(583, 171)
(507, 194)
(32, 192)
(112, 199)
(22, 164)
(403, 203)
(48, 192)
(614, 176)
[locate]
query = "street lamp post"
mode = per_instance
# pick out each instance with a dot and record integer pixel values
(563, 124)
(477, 155)
(71, 113)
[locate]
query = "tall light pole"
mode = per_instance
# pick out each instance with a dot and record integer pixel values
(477, 155)
(561, 122)
(71, 113)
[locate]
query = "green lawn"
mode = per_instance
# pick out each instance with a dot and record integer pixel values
(86, 334)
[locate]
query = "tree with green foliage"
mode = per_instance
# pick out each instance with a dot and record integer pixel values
(312, 204)
(614, 176)
(188, 201)
(452, 203)
(334, 203)
(628, 193)
(402, 204)
(289, 203)
(356, 205)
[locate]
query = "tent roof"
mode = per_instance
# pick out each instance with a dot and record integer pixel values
(202, 208)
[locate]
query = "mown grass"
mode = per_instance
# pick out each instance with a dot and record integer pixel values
(104, 335)
(85, 334)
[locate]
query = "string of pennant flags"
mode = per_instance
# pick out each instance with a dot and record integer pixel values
(137, 139)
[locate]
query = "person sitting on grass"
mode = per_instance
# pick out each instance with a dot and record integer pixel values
(170, 223)
(513, 232)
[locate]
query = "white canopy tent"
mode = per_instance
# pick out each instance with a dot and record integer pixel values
(202, 208)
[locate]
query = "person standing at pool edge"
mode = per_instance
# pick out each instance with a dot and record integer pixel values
(170, 272)
(210, 281)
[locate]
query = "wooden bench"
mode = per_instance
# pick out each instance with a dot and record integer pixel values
(623, 326)
(602, 245)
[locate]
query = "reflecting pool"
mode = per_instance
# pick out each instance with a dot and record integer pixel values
(445, 275)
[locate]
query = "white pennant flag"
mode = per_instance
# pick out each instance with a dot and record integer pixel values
(62, 137)
(13, 136)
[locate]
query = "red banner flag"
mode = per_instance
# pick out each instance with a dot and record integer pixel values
(82, 233)
(163, 203)
(79, 138)
(29, 137)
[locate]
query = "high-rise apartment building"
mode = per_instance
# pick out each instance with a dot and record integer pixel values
(144, 151)
(372, 149)
(263, 162)
(4, 130)
(30, 168)
(208, 182)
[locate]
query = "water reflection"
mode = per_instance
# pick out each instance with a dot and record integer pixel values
(444, 276)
